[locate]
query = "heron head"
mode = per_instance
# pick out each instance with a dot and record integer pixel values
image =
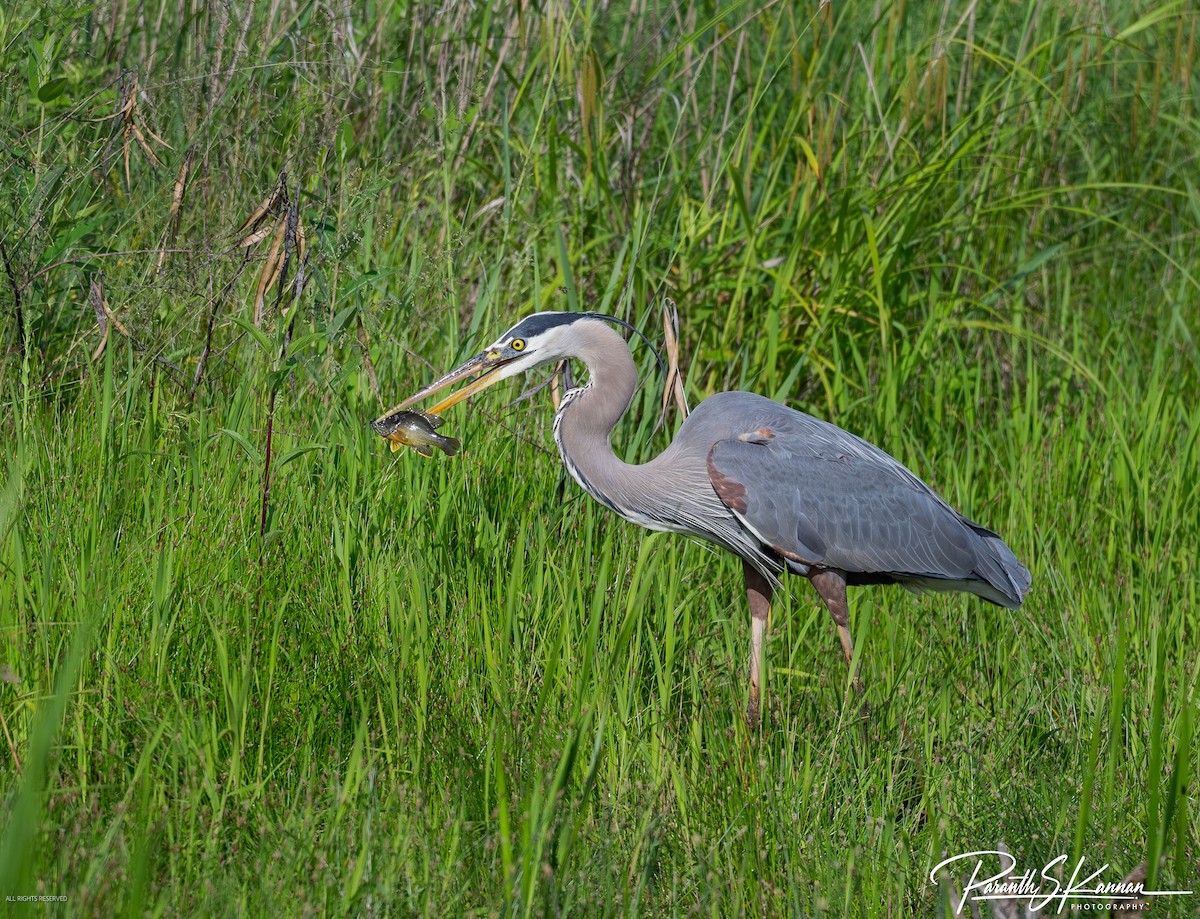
(538, 339)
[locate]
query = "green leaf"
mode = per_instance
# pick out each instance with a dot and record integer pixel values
(302, 343)
(364, 279)
(254, 332)
(276, 378)
(391, 77)
(340, 320)
(76, 231)
(298, 451)
(247, 447)
(1159, 14)
(344, 139)
(52, 89)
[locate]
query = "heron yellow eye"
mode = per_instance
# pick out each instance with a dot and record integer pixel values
(518, 344)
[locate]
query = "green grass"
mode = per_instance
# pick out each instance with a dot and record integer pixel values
(455, 686)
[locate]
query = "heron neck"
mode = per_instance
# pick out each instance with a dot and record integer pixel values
(672, 491)
(585, 422)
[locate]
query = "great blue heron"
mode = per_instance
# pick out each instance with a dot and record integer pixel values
(782, 490)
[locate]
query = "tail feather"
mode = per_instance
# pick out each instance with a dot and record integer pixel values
(1001, 569)
(999, 577)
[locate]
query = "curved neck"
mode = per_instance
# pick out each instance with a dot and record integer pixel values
(585, 420)
(593, 410)
(671, 492)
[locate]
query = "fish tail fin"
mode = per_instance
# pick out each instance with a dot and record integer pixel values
(449, 445)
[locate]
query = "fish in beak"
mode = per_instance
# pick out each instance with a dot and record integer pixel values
(416, 430)
(484, 365)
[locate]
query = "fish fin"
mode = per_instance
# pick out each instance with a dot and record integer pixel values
(423, 449)
(449, 445)
(435, 421)
(395, 445)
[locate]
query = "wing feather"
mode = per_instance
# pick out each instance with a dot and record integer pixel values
(822, 497)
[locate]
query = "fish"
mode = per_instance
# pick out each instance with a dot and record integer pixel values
(417, 430)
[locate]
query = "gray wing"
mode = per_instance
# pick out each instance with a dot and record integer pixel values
(822, 497)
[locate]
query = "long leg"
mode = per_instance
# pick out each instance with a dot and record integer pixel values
(831, 585)
(759, 592)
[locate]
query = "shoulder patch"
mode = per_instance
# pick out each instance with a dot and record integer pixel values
(730, 491)
(761, 436)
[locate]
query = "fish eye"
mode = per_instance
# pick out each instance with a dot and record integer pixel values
(518, 344)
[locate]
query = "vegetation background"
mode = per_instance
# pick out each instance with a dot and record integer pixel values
(254, 663)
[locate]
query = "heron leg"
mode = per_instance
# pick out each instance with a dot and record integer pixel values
(831, 585)
(759, 592)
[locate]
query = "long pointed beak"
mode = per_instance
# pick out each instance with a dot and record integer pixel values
(485, 364)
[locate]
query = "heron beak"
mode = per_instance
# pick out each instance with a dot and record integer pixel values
(486, 364)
